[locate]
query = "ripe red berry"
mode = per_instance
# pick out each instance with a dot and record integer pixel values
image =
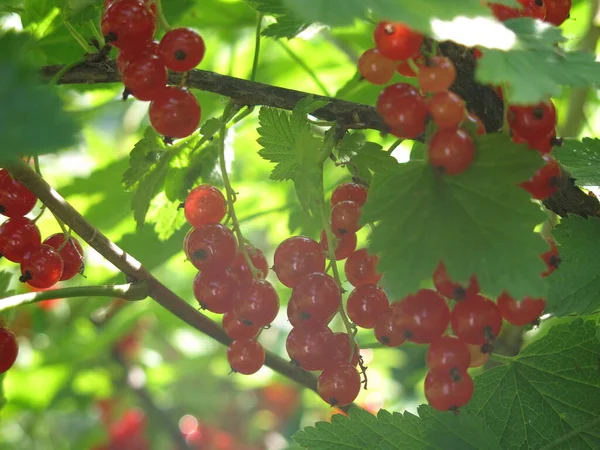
(386, 102)
(366, 304)
(246, 356)
(448, 354)
(386, 331)
(478, 357)
(437, 74)
(340, 350)
(531, 122)
(211, 247)
(15, 199)
(557, 11)
(542, 144)
(472, 118)
(354, 192)
(128, 24)
(297, 257)
(317, 296)
(215, 291)
(339, 385)
(18, 236)
(444, 393)
(449, 289)
(9, 349)
(240, 268)
(551, 257)
(407, 116)
(236, 329)
(124, 57)
(361, 268)
(145, 76)
(520, 313)
(71, 253)
(447, 110)
(536, 9)
(546, 181)
(182, 49)
(258, 305)
(308, 347)
(405, 69)
(344, 247)
(422, 317)
(204, 204)
(375, 68)
(476, 320)
(174, 112)
(345, 218)
(396, 41)
(42, 268)
(298, 319)
(451, 152)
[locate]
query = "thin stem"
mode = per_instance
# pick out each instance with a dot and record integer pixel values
(501, 358)
(97, 34)
(80, 40)
(161, 16)
(38, 169)
(304, 66)
(413, 65)
(133, 291)
(259, 19)
(395, 145)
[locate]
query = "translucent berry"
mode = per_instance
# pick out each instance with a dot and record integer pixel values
(9, 349)
(551, 257)
(386, 331)
(71, 253)
(245, 356)
(41, 268)
(236, 329)
(536, 9)
(422, 317)
(349, 191)
(388, 98)
(447, 110)
(204, 204)
(297, 257)
(361, 268)
(407, 117)
(124, 57)
(476, 320)
(437, 74)
(531, 122)
(448, 354)
(174, 112)
(449, 289)
(444, 393)
(345, 218)
(258, 305)
(546, 181)
(128, 24)
(344, 245)
(557, 11)
(340, 350)
(317, 296)
(18, 236)
(478, 356)
(145, 76)
(215, 291)
(396, 41)
(298, 319)
(339, 385)
(211, 247)
(366, 304)
(15, 199)
(451, 152)
(240, 268)
(520, 313)
(182, 49)
(308, 346)
(375, 68)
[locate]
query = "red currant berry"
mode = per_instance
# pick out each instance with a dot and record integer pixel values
(240, 268)
(18, 236)
(340, 350)
(339, 385)
(385, 103)
(124, 57)
(317, 296)
(204, 204)
(531, 122)
(447, 110)
(375, 68)
(354, 192)
(145, 76)
(298, 319)
(245, 356)
(71, 253)
(211, 247)
(422, 317)
(542, 145)
(345, 218)
(405, 69)
(396, 41)
(308, 346)
(478, 357)
(297, 257)
(520, 313)
(444, 393)
(361, 268)
(236, 329)
(557, 11)
(386, 331)
(15, 199)
(536, 9)
(215, 291)
(182, 49)
(366, 304)
(449, 289)
(476, 320)
(128, 24)
(451, 152)
(472, 118)
(8, 349)
(551, 257)
(344, 245)
(546, 181)
(174, 112)
(258, 306)
(407, 116)
(477, 53)
(448, 354)
(42, 268)
(437, 74)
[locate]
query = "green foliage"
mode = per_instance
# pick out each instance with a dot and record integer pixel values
(547, 396)
(363, 158)
(429, 430)
(581, 159)
(575, 285)
(5, 280)
(287, 25)
(478, 222)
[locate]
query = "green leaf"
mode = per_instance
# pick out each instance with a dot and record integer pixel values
(32, 116)
(575, 286)
(287, 24)
(547, 396)
(429, 430)
(166, 216)
(479, 222)
(5, 279)
(535, 68)
(362, 157)
(581, 159)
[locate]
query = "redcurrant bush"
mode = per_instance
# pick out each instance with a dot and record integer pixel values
(354, 192)
(258, 305)
(204, 204)
(211, 247)
(407, 116)
(145, 76)
(522, 312)
(246, 356)
(447, 110)
(386, 331)
(386, 104)
(339, 385)
(376, 68)
(15, 199)
(422, 317)
(174, 112)
(308, 347)
(444, 393)
(298, 319)
(531, 122)
(437, 74)
(41, 268)
(317, 296)
(396, 41)
(361, 268)
(71, 253)
(9, 349)
(236, 329)
(18, 236)
(345, 218)
(182, 49)
(448, 354)
(476, 320)
(451, 152)
(215, 291)
(297, 257)
(366, 304)
(128, 24)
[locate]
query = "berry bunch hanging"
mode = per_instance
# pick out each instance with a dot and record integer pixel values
(130, 26)
(43, 264)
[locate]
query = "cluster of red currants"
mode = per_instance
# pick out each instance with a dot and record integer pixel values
(128, 432)
(551, 11)
(225, 283)
(142, 62)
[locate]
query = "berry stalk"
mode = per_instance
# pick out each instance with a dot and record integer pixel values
(161, 16)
